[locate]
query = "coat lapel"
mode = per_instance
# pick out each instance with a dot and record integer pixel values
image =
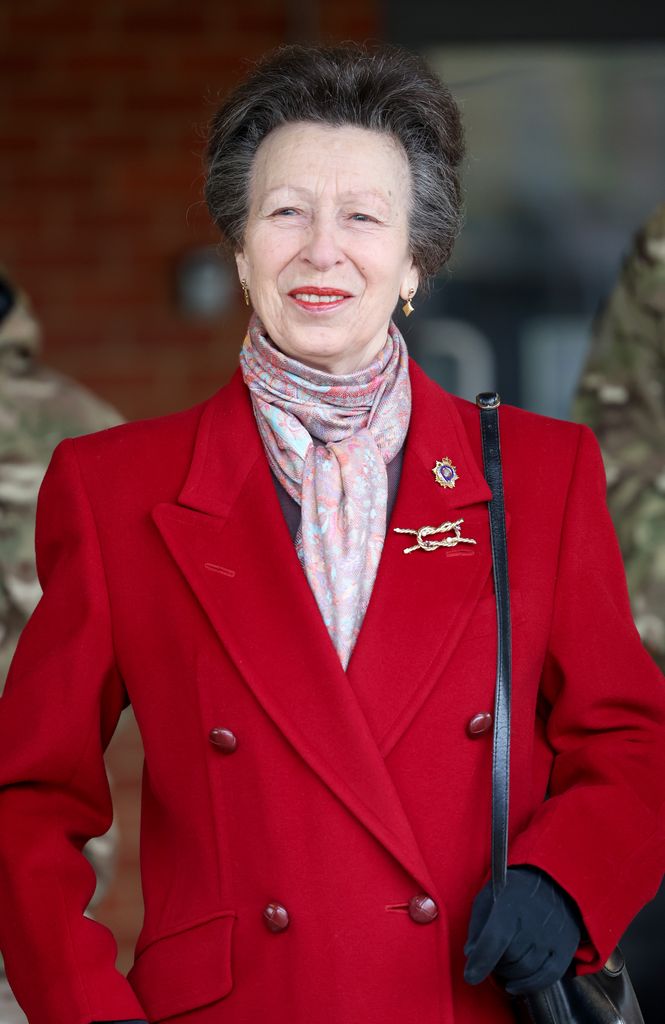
(229, 538)
(422, 601)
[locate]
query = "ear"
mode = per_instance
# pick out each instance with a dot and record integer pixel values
(243, 266)
(410, 282)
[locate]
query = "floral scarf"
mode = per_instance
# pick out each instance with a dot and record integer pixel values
(360, 420)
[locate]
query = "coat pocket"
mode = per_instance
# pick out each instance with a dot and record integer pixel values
(185, 969)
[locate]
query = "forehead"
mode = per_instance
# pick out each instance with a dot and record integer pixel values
(329, 159)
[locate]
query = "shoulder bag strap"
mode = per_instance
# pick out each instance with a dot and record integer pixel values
(488, 403)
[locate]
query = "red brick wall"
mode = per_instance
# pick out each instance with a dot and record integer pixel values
(102, 122)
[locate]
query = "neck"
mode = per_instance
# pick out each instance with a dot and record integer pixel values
(337, 364)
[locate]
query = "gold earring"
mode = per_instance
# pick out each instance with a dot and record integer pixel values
(407, 308)
(245, 291)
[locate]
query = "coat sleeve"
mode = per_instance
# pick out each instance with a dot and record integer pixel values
(60, 706)
(600, 833)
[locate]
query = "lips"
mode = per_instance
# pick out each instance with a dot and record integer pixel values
(319, 300)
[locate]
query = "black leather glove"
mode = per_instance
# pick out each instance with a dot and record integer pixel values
(528, 937)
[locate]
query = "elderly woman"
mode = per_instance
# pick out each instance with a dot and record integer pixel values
(314, 703)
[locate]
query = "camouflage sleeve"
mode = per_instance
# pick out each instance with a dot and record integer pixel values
(622, 398)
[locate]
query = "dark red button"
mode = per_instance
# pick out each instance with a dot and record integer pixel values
(480, 724)
(223, 739)
(423, 909)
(276, 917)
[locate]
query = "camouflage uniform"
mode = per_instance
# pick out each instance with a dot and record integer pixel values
(622, 397)
(38, 408)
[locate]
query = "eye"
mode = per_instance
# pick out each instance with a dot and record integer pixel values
(363, 218)
(284, 211)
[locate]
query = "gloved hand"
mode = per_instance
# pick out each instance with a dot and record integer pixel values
(528, 937)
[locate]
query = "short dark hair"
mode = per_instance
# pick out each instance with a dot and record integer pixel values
(383, 88)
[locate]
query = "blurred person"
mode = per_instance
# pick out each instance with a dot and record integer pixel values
(313, 699)
(38, 408)
(622, 397)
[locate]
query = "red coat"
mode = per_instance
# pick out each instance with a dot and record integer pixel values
(170, 580)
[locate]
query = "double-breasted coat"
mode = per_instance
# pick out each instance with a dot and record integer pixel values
(312, 839)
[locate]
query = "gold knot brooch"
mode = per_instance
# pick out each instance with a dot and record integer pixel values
(432, 545)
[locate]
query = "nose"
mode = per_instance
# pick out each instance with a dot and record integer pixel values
(322, 249)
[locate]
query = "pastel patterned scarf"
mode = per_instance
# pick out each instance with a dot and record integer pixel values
(361, 418)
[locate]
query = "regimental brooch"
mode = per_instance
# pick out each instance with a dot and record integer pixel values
(432, 545)
(445, 473)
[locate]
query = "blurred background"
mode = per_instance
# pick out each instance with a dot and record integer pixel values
(103, 114)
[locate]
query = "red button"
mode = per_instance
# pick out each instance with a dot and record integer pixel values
(223, 739)
(423, 909)
(276, 917)
(480, 723)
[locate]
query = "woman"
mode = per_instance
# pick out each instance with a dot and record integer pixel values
(313, 702)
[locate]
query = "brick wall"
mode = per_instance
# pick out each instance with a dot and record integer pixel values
(102, 122)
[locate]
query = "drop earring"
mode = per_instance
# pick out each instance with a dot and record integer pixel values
(245, 291)
(407, 308)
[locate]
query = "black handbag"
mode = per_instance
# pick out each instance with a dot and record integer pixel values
(606, 996)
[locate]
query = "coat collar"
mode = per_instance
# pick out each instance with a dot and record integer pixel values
(229, 538)
(227, 425)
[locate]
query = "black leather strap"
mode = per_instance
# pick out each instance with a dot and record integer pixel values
(488, 403)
